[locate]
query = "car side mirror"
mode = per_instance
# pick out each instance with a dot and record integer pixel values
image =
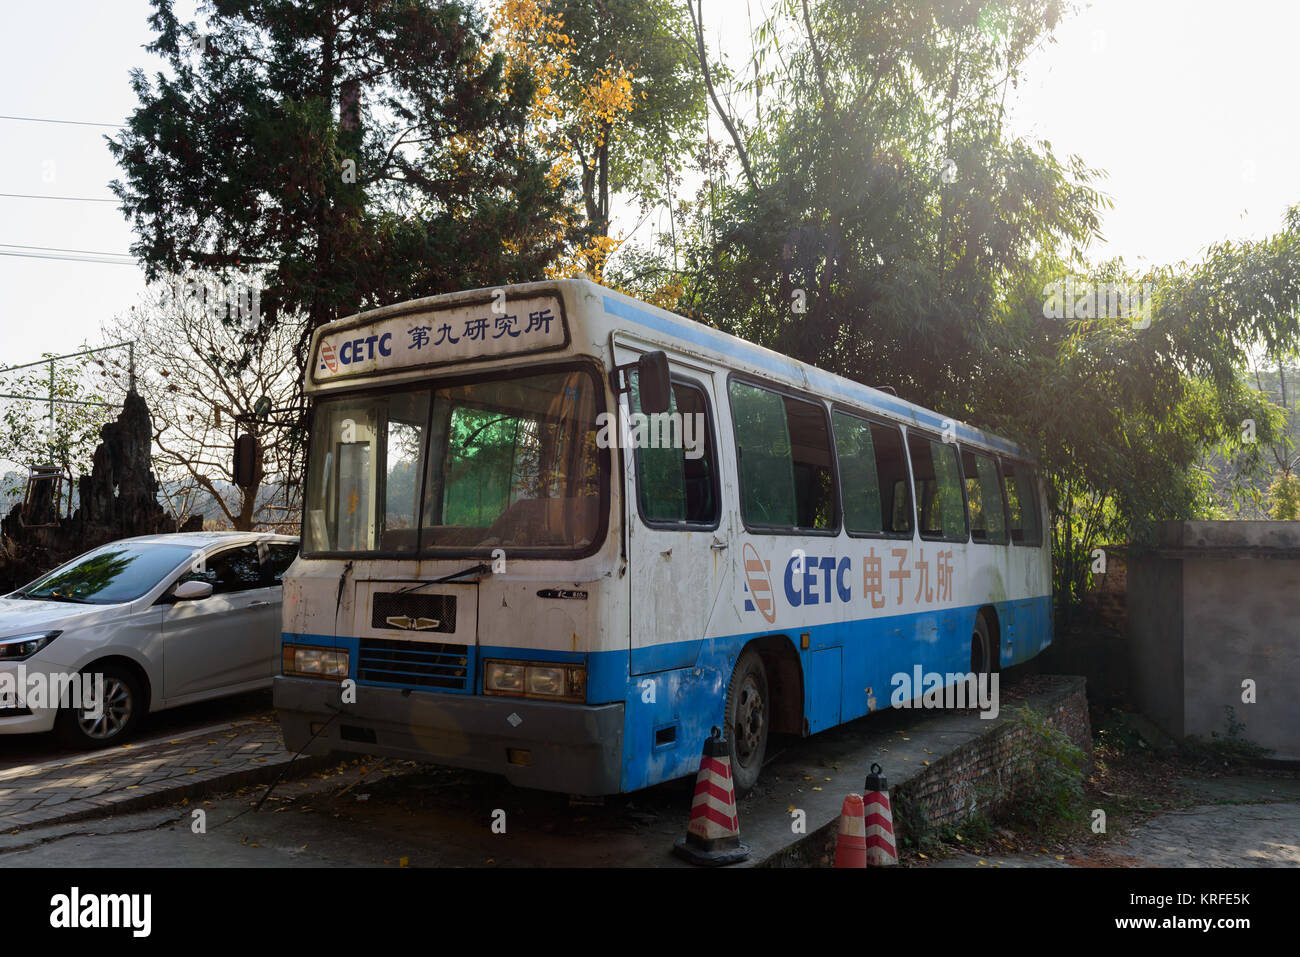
(192, 590)
(653, 384)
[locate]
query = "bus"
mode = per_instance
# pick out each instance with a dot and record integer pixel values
(558, 534)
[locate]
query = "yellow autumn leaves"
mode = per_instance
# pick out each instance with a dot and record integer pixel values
(567, 117)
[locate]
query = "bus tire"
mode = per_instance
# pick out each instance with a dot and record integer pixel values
(981, 648)
(747, 720)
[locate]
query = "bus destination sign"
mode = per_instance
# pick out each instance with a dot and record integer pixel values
(463, 333)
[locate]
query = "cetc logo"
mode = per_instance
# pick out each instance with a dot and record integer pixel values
(327, 357)
(758, 582)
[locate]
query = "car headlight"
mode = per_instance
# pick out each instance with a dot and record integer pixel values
(308, 662)
(557, 681)
(22, 647)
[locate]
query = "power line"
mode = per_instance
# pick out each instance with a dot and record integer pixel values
(80, 259)
(59, 249)
(67, 255)
(78, 199)
(38, 119)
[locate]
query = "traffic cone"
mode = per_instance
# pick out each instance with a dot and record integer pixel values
(713, 832)
(879, 820)
(851, 841)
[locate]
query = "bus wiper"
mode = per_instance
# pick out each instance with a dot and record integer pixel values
(482, 568)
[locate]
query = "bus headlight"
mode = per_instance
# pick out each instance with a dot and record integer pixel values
(559, 682)
(503, 678)
(545, 680)
(308, 662)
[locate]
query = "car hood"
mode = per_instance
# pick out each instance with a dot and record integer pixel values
(18, 616)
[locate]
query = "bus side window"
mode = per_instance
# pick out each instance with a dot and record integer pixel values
(676, 476)
(940, 510)
(786, 475)
(984, 498)
(1021, 483)
(873, 475)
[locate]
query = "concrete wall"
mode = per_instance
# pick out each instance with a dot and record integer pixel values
(1214, 604)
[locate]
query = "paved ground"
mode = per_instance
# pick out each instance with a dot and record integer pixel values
(149, 771)
(377, 812)
(383, 812)
(1229, 833)
(24, 749)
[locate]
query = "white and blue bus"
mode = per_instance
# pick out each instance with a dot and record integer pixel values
(493, 576)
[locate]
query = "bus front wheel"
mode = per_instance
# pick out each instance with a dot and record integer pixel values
(747, 720)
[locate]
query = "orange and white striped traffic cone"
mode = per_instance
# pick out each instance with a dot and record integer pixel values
(851, 841)
(713, 832)
(879, 821)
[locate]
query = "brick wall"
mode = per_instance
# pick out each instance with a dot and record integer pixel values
(976, 775)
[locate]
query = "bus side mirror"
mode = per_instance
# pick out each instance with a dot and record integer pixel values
(247, 457)
(652, 383)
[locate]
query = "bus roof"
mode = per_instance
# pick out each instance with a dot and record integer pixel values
(583, 301)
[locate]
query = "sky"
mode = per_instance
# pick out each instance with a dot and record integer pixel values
(1188, 105)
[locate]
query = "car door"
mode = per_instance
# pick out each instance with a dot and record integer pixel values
(221, 641)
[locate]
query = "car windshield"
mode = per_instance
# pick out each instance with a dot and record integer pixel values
(122, 571)
(507, 462)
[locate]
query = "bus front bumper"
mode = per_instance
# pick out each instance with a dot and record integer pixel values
(571, 748)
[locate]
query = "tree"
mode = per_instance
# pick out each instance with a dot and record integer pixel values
(28, 437)
(199, 392)
(635, 102)
(881, 206)
(883, 224)
(615, 105)
(351, 152)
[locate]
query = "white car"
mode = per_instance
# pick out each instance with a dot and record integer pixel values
(162, 620)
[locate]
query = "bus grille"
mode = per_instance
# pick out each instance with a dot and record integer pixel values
(414, 664)
(414, 612)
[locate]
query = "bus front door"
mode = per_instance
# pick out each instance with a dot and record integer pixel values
(679, 532)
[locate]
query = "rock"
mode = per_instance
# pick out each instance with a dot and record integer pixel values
(118, 499)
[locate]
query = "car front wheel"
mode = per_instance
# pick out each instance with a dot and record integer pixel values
(111, 722)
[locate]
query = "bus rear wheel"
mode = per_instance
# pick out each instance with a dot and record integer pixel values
(747, 720)
(981, 649)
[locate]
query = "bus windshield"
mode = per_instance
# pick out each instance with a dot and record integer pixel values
(509, 462)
